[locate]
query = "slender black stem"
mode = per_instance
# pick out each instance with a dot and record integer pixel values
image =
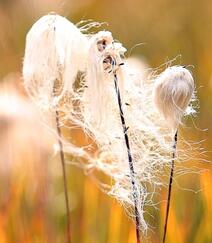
(64, 178)
(170, 187)
(132, 172)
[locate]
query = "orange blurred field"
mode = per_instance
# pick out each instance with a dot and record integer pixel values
(32, 207)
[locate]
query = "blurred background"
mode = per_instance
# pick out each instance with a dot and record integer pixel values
(32, 205)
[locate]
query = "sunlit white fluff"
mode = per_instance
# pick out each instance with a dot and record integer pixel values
(172, 93)
(148, 134)
(55, 52)
(96, 112)
(97, 91)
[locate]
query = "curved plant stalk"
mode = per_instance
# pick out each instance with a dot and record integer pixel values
(56, 92)
(132, 171)
(64, 178)
(170, 187)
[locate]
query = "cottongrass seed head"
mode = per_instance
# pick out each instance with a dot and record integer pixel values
(172, 93)
(55, 51)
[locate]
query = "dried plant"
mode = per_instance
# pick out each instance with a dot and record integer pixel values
(61, 52)
(172, 93)
(51, 63)
(110, 62)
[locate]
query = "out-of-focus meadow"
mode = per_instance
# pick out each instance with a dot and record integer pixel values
(32, 207)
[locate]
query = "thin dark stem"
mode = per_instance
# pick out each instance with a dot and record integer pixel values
(170, 187)
(132, 172)
(64, 178)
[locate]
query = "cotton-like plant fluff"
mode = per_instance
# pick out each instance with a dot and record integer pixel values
(55, 51)
(101, 120)
(173, 91)
(99, 77)
(58, 55)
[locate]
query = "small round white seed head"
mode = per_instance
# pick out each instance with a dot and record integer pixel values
(173, 91)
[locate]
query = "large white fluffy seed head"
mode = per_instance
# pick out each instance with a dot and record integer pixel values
(172, 93)
(55, 51)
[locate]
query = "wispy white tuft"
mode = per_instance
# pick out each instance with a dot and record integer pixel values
(97, 93)
(172, 93)
(55, 51)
